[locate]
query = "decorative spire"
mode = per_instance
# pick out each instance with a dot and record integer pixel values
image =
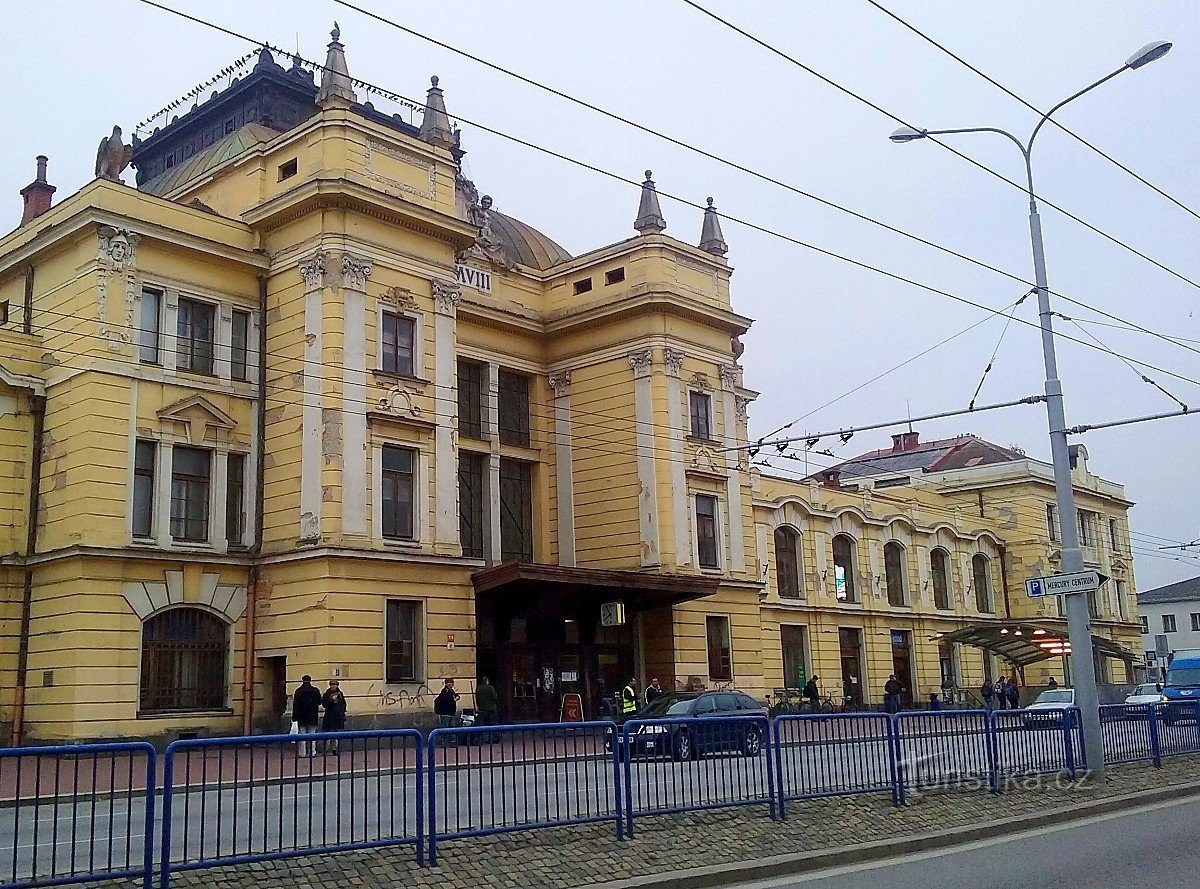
(336, 90)
(435, 126)
(649, 219)
(266, 61)
(711, 239)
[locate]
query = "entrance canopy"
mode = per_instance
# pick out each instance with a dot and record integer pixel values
(1027, 643)
(517, 583)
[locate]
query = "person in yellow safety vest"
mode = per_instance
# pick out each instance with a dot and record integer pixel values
(629, 702)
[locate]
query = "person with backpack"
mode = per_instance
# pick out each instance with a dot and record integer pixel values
(987, 691)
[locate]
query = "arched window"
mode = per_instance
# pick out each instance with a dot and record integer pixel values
(843, 569)
(185, 654)
(788, 563)
(981, 568)
(939, 567)
(893, 569)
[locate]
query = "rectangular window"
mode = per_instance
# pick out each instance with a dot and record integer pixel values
(516, 511)
(397, 493)
(706, 531)
(514, 408)
(1145, 625)
(700, 405)
(1195, 622)
(1087, 529)
(1122, 600)
(614, 276)
(795, 657)
(239, 344)
(1168, 621)
(148, 326)
(720, 650)
(583, 286)
(401, 632)
(191, 473)
(287, 169)
(235, 499)
(1052, 521)
(396, 345)
(471, 479)
(194, 343)
(1112, 535)
(143, 488)
(470, 400)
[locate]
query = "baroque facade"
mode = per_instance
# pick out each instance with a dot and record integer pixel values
(304, 402)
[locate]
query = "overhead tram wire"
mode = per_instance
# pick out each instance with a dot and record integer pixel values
(996, 351)
(685, 201)
(732, 164)
(1143, 377)
(1112, 160)
(849, 92)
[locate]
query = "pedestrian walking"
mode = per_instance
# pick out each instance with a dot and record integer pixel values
(333, 702)
(306, 705)
(654, 691)
(1013, 694)
(891, 694)
(987, 691)
(445, 705)
(1001, 695)
(1053, 683)
(629, 702)
(812, 692)
(487, 707)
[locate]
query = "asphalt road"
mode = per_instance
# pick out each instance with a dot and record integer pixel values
(1156, 847)
(217, 820)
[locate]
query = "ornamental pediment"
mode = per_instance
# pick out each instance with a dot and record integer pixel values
(196, 414)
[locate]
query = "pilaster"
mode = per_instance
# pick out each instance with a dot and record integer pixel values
(565, 485)
(641, 363)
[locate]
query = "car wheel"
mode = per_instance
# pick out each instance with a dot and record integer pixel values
(752, 742)
(682, 747)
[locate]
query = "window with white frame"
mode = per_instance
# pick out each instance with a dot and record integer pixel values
(700, 412)
(1145, 621)
(1168, 622)
(195, 336)
(1196, 621)
(1087, 528)
(707, 550)
(788, 573)
(843, 569)
(397, 344)
(396, 492)
(191, 480)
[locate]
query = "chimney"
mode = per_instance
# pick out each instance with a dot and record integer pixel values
(831, 478)
(905, 441)
(37, 194)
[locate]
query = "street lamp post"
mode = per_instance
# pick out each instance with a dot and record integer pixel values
(1078, 616)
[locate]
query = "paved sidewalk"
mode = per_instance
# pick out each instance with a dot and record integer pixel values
(560, 858)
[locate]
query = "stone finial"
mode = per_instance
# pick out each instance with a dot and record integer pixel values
(435, 126)
(266, 61)
(37, 194)
(336, 89)
(649, 219)
(711, 239)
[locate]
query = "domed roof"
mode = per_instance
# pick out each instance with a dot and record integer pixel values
(525, 244)
(210, 158)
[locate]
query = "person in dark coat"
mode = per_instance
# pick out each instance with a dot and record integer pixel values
(987, 691)
(334, 720)
(445, 705)
(1013, 694)
(487, 705)
(891, 694)
(654, 691)
(306, 705)
(1001, 694)
(812, 692)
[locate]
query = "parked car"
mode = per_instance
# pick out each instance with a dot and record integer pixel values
(1146, 693)
(695, 723)
(1047, 709)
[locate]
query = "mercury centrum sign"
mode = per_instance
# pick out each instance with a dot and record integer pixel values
(1061, 584)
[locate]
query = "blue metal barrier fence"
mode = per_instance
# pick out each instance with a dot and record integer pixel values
(99, 799)
(496, 779)
(236, 800)
(695, 763)
(833, 755)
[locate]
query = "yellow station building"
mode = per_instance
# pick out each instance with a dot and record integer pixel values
(304, 402)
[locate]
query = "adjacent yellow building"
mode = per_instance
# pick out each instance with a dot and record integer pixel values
(305, 402)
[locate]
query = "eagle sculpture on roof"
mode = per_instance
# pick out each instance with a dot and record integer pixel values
(112, 156)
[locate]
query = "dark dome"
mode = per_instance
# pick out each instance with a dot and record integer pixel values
(525, 244)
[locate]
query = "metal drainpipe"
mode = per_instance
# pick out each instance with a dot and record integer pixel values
(37, 407)
(256, 548)
(1004, 579)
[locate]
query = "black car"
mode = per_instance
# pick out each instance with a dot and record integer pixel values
(685, 725)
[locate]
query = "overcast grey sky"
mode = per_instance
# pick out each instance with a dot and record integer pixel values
(73, 69)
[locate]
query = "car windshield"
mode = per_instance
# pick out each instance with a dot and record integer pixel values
(680, 708)
(659, 708)
(1055, 696)
(1146, 690)
(1179, 676)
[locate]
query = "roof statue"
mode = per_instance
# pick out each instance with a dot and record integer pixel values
(337, 91)
(711, 239)
(113, 156)
(435, 126)
(489, 244)
(649, 219)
